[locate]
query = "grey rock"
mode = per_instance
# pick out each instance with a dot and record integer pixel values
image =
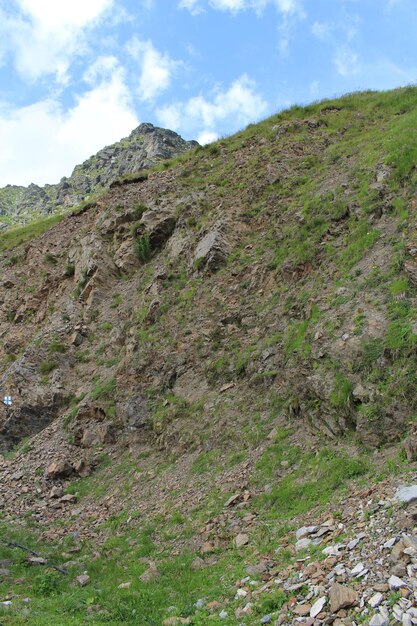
(301, 544)
(318, 606)
(212, 250)
(396, 583)
(406, 494)
(379, 620)
(376, 600)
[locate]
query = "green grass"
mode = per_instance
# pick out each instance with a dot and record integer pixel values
(16, 236)
(47, 366)
(129, 543)
(143, 248)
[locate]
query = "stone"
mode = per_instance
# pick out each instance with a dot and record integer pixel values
(212, 251)
(232, 500)
(37, 560)
(241, 540)
(318, 606)
(124, 585)
(301, 544)
(69, 497)
(96, 434)
(406, 494)
(83, 580)
(150, 574)
(197, 564)
(254, 570)
(59, 469)
(400, 569)
(304, 531)
(56, 492)
(352, 544)
(341, 597)
(397, 553)
(396, 583)
(359, 570)
(302, 610)
(82, 468)
(77, 338)
(376, 600)
(379, 620)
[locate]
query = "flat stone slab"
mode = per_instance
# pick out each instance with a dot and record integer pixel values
(406, 494)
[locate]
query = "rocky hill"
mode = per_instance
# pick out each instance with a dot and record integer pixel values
(145, 147)
(209, 357)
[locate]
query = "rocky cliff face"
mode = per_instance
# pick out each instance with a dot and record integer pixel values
(215, 342)
(145, 147)
(245, 264)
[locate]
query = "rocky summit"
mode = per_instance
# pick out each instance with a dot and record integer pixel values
(212, 369)
(145, 147)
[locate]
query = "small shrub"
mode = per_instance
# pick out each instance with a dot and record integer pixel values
(46, 367)
(139, 209)
(143, 248)
(81, 283)
(398, 287)
(104, 389)
(117, 299)
(57, 346)
(50, 258)
(340, 394)
(69, 270)
(46, 584)
(12, 260)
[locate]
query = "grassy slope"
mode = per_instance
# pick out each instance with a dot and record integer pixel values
(369, 130)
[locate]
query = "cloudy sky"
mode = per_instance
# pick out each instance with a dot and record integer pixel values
(76, 75)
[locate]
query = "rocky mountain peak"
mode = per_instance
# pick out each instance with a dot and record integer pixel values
(145, 147)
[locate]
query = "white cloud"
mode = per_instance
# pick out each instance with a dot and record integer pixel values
(288, 7)
(170, 116)
(156, 68)
(333, 32)
(346, 61)
(50, 15)
(289, 10)
(207, 137)
(61, 139)
(237, 106)
(322, 30)
(44, 36)
(192, 6)
(101, 69)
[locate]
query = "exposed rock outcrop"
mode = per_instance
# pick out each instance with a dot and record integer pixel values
(145, 147)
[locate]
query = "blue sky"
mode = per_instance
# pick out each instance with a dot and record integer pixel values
(76, 75)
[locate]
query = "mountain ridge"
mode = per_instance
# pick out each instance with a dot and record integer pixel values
(145, 147)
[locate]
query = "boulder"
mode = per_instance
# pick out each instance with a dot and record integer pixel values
(158, 225)
(211, 252)
(59, 469)
(341, 597)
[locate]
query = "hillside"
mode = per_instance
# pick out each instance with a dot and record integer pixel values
(204, 359)
(145, 147)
